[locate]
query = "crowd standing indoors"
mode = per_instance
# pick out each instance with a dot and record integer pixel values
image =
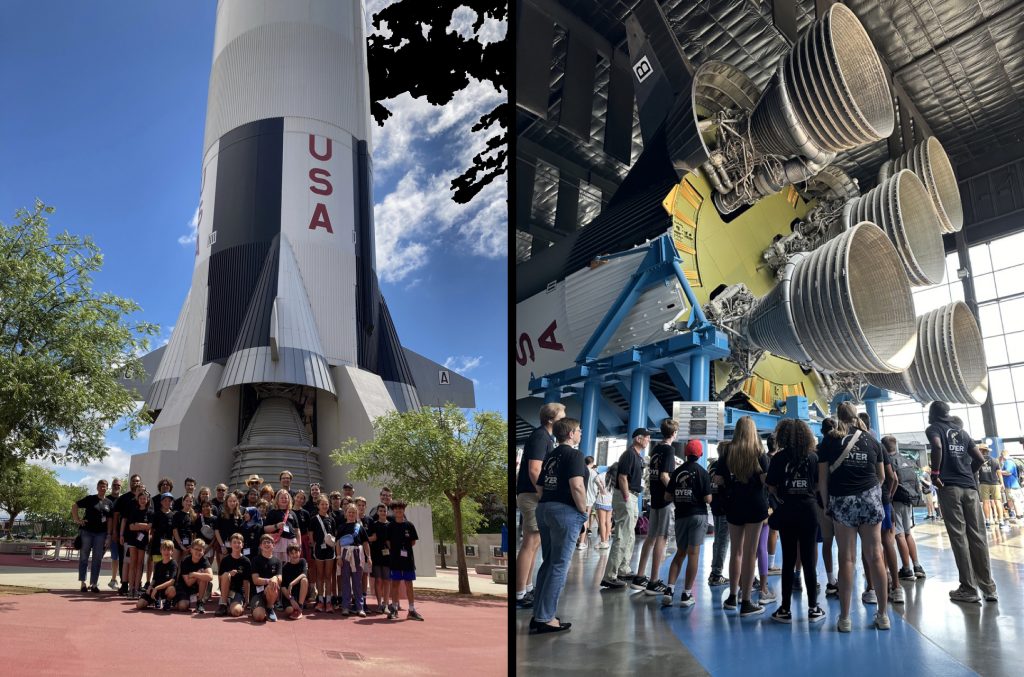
(847, 485)
(259, 555)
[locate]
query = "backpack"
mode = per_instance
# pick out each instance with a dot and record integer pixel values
(908, 490)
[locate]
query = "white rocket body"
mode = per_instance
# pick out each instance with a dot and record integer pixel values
(283, 348)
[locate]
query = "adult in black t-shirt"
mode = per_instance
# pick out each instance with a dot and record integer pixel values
(689, 489)
(792, 479)
(93, 529)
(266, 576)
(196, 576)
(741, 472)
(235, 574)
(662, 463)
(220, 495)
(954, 457)
(536, 449)
(561, 513)
(625, 509)
(850, 475)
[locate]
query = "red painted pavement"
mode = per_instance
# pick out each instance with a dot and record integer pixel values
(70, 633)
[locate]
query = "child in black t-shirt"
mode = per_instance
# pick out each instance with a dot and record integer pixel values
(322, 530)
(161, 590)
(195, 578)
(380, 572)
(294, 581)
(402, 537)
(235, 572)
(135, 532)
(266, 576)
(354, 550)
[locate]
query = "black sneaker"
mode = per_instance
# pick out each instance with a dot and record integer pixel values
(612, 583)
(687, 600)
(94, 588)
(639, 582)
(222, 610)
(525, 603)
(85, 588)
(730, 603)
(627, 577)
(907, 574)
(716, 581)
(666, 597)
(750, 609)
(200, 609)
(919, 571)
(816, 614)
(123, 590)
(831, 589)
(657, 588)
(782, 616)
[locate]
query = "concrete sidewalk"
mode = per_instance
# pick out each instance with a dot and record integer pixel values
(66, 578)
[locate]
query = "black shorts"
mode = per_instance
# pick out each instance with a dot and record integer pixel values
(184, 590)
(322, 554)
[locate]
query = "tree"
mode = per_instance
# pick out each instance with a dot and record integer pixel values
(432, 453)
(63, 346)
(28, 488)
(416, 56)
(444, 521)
(55, 517)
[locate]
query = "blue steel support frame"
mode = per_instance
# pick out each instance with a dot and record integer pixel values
(588, 420)
(639, 383)
(700, 378)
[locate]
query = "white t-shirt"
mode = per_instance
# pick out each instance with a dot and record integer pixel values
(603, 495)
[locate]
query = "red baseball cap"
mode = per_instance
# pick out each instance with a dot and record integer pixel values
(694, 448)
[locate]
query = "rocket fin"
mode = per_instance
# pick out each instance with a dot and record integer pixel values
(172, 364)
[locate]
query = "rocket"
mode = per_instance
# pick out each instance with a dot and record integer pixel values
(284, 347)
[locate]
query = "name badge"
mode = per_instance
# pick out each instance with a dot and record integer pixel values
(323, 546)
(185, 541)
(142, 536)
(245, 551)
(103, 519)
(259, 588)
(385, 552)
(403, 553)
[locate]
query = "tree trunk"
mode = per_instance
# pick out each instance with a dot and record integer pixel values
(460, 547)
(444, 562)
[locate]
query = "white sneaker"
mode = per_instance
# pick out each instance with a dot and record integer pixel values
(896, 595)
(882, 621)
(113, 584)
(766, 597)
(604, 545)
(868, 597)
(582, 545)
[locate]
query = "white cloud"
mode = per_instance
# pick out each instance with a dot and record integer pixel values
(193, 232)
(116, 464)
(463, 363)
(462, 22)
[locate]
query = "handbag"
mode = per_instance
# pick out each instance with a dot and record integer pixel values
(206, 530)
(329, 540)
(278, 535)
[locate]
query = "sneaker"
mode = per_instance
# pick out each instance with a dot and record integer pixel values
(964, 595)
(113, 584)
(657, 588)
(361, 613)
(612, 583)
(816, 614)
(831, 589)
(750, 609)
(626, 576)
(94, 588)
(640, 582)
(123, 590)
(774, 570)
(716, 581)
(85, 588)
(525, 603)
(200, 609)
(582, 545)
(756, 584)
(686, 600)
(730, 603)
(844, 625)
(271, 616)
(666, 597)
(907, 574)
(345, 612)
(782, 616)
(992, 597)
(988, 523)
(882, 621)
(414, 615)
(869, 597)
(797, 583)
(896, 595)
(392, 611)
(604, 546)
(919, 571)
(222, 610)
(1004, 525)
(766, 597)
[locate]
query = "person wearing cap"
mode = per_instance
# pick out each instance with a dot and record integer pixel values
(625, 509)
(689, 490)
(348, 491)
(990, 481)
(663, 462)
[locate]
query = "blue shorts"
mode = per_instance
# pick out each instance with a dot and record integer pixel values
(115, 551)
(887, 520)
(401, 575)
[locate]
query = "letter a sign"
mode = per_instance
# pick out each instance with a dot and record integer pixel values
(443, 378)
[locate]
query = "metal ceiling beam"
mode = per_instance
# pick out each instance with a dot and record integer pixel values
(528, 148)
(539, 230)
(535, 36)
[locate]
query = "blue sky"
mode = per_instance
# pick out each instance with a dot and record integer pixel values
(104, 112)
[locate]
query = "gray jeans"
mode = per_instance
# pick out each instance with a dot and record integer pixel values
(624, 516)
(965, 525)
(721, 546)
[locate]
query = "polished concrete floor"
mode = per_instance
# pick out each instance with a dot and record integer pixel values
(624, 632)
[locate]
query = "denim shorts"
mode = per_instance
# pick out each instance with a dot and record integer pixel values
(402, 575)
(858, 509)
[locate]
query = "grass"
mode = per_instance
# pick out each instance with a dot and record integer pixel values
(19, 590)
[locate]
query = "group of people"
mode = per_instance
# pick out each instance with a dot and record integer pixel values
(256, 548)
(803, 491)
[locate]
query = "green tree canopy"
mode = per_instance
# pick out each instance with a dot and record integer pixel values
(63, 346)
(432, 453)
(25, 487)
